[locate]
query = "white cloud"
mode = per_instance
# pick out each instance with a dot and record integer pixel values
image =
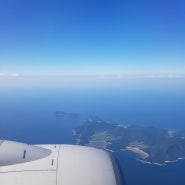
(15, 75)
(139, 76)
(2, 74)
(9, 75)
(158, 76)
(103, 76)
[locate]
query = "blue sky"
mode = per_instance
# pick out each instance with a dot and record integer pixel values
(92, 37)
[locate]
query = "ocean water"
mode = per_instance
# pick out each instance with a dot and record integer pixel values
(27, 115)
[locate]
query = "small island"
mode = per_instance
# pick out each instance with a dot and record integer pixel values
(152, 145)
(63, 114)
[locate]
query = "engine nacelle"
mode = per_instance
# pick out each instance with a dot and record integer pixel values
(22, 164)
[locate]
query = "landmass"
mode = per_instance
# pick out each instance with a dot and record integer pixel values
(63, 114)
(152, 145)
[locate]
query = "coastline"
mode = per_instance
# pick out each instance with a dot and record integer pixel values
(77, 139)
(145, 155)
(142, 153)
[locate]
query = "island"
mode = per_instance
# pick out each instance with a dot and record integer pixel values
(152, 145)
(63, 114)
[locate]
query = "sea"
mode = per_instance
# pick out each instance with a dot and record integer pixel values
(28, 115)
